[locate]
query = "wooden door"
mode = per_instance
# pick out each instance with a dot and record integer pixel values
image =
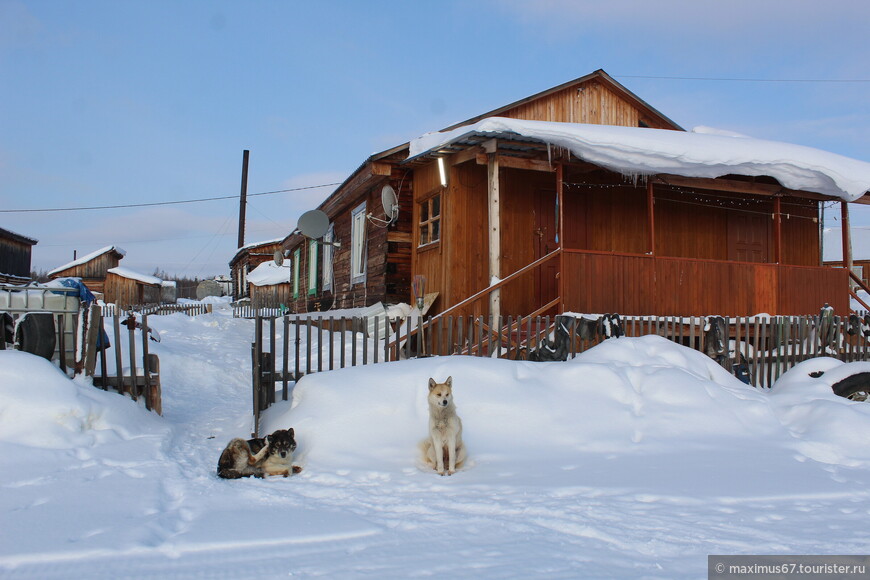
(749, 237)
(544, 241)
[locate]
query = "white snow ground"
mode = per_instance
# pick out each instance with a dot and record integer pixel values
(635, 460)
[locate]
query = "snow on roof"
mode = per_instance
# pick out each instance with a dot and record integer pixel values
(130, 274)
(832, 243)
(706, 154)
(253, 245)
(88, 258)
(269, 274)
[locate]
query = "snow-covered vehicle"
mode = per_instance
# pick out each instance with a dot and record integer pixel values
(30, 317)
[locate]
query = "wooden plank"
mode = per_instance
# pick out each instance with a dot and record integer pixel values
(285, 365)
(154, 384)
(494, 221)
(145, 370)
(517, 163)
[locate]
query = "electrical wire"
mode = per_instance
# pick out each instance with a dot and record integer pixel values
(156, 203)
(742, 80)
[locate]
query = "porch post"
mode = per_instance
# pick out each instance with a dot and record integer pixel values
(777, 229)
(650, 217)
(560, 228)
(494, 225)
(847, 235)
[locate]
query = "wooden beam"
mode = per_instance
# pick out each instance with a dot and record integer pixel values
(847, 236)
(777, 229)
(560, 229)
(517, 163)
(381, 168)
(650, 218)
(494, 214)
(736, 186)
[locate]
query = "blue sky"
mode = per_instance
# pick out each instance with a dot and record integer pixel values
(123, 102)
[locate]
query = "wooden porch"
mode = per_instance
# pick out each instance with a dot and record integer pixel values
(637, 284)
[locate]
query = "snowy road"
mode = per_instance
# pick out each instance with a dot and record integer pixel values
(634, 462)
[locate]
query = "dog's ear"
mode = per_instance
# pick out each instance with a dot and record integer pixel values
(449, 382)
(431, 384)
(292, 433)
(266, 440)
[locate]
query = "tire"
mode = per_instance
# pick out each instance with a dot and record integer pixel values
(36, 335)
(855, 388)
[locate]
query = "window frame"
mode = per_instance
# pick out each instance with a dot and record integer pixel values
(358, 244)
(297, 254)
(312, 267)
(326, 273)
(430, 219)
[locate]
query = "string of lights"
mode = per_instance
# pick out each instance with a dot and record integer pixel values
(692, 197)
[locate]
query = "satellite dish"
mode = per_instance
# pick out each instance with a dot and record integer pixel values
(390, 201)
(279, 258)
(313, 224)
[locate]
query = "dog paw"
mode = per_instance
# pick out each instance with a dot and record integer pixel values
(297, 469)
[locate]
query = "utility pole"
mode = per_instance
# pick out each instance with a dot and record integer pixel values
(243, 198)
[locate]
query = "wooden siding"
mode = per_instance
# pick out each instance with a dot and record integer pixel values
(14, 258)
(388, 254)
(591, 102)
(125, 292)
(93, 272)
(247, 260)
(646, 285)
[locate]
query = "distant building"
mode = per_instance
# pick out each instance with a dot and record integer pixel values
(15, 251)
(92, 268)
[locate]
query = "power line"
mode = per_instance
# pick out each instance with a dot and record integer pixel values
(130, 205)
(742, 80)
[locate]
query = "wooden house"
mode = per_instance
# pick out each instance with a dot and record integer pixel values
(584, 198)
(246, 259)
(91, 268)
(15, 253)
(127, 288)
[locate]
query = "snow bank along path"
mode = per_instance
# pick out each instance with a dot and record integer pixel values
(635, 460)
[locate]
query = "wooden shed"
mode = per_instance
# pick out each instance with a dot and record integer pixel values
(246, 259)
(91, 268)
(127, 288)
(584, 198)
(15, 254)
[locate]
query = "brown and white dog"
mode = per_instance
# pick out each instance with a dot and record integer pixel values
(270, 455)
(443, 450)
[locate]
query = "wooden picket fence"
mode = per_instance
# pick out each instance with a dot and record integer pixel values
(195, 309)
(757, 349)
(141, 379)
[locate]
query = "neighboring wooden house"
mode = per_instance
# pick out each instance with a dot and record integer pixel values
(92, 268)
(604, 205)
(270, 285)
(247, 258)
(15, 253)
(126, 288)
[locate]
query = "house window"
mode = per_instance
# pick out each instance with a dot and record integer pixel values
(430, 220)
(312, 267)
(358, 244)
(326, 271)
(296, 257)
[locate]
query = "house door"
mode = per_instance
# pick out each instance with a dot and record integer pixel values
(544, 241)
(749, 237)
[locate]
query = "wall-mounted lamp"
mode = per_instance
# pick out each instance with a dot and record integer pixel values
(442, 172)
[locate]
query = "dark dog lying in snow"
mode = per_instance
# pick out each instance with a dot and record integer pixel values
(270, 455)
